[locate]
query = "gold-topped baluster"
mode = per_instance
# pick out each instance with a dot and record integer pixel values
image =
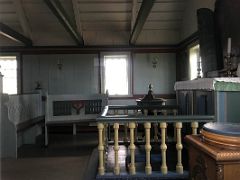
(179, 166)
(164, 168)
(194, 126)
(116, 149)
(132, 148)
(148, 167)
(155, 128)
(101, 168)
(125, 128)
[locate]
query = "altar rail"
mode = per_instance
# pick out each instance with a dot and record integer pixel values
(130, 116)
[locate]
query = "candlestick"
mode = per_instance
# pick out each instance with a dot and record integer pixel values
(229, 46)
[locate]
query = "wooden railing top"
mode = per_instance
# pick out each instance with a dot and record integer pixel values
(135, 107)
(140, 118)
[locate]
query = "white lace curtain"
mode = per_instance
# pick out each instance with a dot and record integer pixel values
(116, 74)
(8, 68)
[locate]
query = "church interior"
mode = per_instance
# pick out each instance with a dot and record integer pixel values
(119, 89)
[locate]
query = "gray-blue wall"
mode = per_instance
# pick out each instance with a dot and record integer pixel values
(80, 73)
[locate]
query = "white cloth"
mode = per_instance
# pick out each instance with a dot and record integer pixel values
(204, 83)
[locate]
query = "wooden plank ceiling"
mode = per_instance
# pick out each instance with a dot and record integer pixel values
(97, 22)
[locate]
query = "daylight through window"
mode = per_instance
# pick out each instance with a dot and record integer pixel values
(116, 74)
(9, 71)
(195, 62)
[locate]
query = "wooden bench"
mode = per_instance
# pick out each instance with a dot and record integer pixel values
(23, 117)
(73, 109)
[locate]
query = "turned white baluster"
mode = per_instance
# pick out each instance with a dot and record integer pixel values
(179, 166)
(148, 167)
(163, 127)
(155, 128)
(116, 149)
(194, 126)
(126, 128)
(101, 168)
(132, 148)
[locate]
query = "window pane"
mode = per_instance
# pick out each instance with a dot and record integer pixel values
(195, 62)
(9, 71)
(116, 75)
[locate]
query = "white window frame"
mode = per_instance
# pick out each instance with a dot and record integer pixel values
(18, 68)
(129, 71)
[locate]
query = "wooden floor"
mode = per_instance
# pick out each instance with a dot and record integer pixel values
(70, 157)
(66, 158)
(64, 144)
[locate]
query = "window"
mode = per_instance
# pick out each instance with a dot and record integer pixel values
(195, 62)
(116, 74)
(9, 71)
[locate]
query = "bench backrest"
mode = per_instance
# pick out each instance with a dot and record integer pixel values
(24, 107)
(67, 108)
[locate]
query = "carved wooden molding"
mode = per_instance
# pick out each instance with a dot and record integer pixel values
(199, 169)
(219, 154)
(220, 172)
(221, 140)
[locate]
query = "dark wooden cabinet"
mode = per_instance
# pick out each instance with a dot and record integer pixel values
(210, 96)
(209, 162)
(196, 102)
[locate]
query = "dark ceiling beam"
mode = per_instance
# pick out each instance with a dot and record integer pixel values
(22, 17)
(58, 10)
(14, 35)
(143, 13)
(89, 49)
